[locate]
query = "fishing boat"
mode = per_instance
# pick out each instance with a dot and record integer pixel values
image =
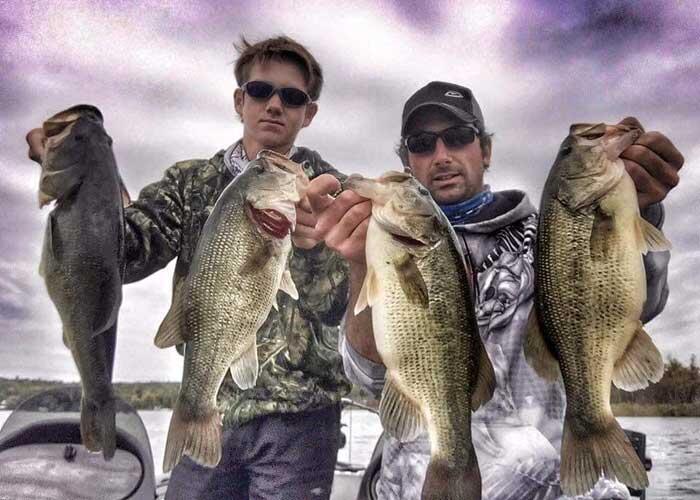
(41, 455)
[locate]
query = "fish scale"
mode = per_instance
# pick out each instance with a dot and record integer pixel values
(427, 355)
(217, 310)
(83, 258)
(589, 294)
(425, 330)
(215, 286)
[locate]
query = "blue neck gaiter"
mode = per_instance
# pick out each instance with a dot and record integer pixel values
(461, 212)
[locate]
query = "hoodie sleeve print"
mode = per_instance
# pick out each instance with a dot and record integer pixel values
(154, 226)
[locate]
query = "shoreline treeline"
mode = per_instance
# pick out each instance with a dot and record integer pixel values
(677, 394)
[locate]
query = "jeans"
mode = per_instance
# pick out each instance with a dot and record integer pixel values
(283, 456)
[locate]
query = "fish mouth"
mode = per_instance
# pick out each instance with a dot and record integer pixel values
(407, 240)
(270, 222)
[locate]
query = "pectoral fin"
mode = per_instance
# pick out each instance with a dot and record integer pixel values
(400, 416)
(411, 280)
(485, 377)
(126, 197)
(66, 340)
(49, 251)
(537, 352)
(244, 370)
(172, 330)
(651, 239)
(287, 285)
(369, 293)
(640, 363)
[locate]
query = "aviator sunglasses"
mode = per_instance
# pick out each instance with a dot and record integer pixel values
(290, 96)
(453, 137)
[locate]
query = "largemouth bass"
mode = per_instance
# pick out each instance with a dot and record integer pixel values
(425, 329)
(83, 257)
(590, 290)
(239, 265)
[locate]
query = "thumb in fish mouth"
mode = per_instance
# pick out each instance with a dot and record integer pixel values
(618, 138)
(372, 189)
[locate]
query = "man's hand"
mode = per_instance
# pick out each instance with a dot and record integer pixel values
(343, 220)
(304, 235)
(653, 163)
(36, 140)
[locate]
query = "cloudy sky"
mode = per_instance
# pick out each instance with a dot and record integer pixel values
(161, 72)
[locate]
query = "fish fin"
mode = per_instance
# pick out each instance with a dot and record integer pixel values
(411, 280)
(639, 364)
(180, 348)
(200, 438)
(258, 260)
(52, 244)
(399, 415)
(98, 429)
(244, 370)
(66, 340)
(485, 377)
(444, 481)
(287, 285)
(537, 352)
(369, 293)
(607, 450)
(651, 238)
(126, 197)
(109, 343)
(110, 295)
(172, 329)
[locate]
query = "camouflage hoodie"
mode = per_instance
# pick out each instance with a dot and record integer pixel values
(297, 345)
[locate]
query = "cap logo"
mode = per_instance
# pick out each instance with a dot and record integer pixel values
(453, 93)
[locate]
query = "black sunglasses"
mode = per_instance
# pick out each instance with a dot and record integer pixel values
(290, 96)
(453, 137)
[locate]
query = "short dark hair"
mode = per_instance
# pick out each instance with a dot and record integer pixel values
(280, 48)
(484, 141)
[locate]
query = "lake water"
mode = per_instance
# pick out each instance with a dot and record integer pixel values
(673, 444)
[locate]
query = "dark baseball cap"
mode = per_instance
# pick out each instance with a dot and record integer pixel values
(458, 100)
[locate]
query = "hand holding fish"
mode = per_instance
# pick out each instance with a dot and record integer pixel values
(343, 220)
(653, 163)
(304, 234)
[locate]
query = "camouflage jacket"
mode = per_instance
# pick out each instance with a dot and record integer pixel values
(297, 345)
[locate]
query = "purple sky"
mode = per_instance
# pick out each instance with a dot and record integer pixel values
(161, 73)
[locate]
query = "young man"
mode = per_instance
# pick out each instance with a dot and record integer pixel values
(517, 435)
(280, 438)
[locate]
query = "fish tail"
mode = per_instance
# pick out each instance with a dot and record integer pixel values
(98, 428)
(199, 437)
(587, 455)
(452, 482)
